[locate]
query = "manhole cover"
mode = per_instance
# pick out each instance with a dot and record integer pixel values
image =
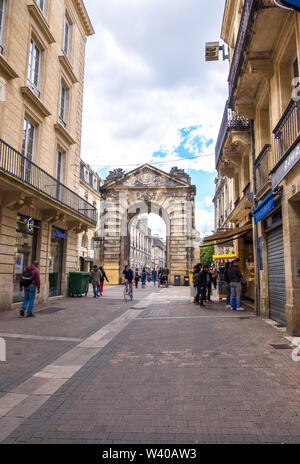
(51, 310)
(281, 347)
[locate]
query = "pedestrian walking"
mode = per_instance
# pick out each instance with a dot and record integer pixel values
(137, 278)
(154, 276)
(195, 288)
(214, 276)
(104, 276)
(31, 282)
(208, 284)
(228, 286)
(144, 278)
(202, 283)
(95, 279)
(236, 278)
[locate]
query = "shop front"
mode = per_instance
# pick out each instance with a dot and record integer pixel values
(86, 264)
(25, 251)
(57, 247)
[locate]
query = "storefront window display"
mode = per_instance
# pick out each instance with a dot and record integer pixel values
(25, 251)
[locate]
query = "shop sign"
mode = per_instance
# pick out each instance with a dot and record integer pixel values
(290, 161)
(263, 209)
(59, 234)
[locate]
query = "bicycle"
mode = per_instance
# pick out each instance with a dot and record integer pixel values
(127, 292)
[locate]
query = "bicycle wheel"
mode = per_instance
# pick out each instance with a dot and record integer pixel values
(126, 295)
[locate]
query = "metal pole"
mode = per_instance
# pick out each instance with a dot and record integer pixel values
(256, 244)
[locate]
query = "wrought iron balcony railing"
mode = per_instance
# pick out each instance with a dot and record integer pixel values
(18, 166)
(230, 121)
(287, 130)
(262, 168)
(241, 43)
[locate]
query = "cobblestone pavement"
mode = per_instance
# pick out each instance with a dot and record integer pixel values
(156, 370)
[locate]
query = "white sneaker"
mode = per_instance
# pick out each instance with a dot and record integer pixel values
(240, 309)
(228, 306)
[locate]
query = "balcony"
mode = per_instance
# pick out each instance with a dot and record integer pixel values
(262, 169)
(241, 44)
(17, 166)
(287, 131)
(230, 122)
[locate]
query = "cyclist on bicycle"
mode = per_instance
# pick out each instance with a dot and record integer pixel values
(128, 277)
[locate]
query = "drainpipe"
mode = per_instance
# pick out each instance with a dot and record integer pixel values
(256, 244)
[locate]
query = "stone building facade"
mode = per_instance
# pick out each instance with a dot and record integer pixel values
(42, 53)
(140, 244)
(259, 150)
(89, 189)
(158, 252)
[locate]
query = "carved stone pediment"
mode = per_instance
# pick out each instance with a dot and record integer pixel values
(147, 177)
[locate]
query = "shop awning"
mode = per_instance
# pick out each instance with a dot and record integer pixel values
(88, 260)
(227, 234)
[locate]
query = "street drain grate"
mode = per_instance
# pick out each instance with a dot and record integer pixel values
(244, 318)
(281, 347)
(51, 310)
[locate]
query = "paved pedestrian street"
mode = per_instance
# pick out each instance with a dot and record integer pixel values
(156, 370)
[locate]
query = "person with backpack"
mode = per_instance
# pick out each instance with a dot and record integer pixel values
(104, 276)
(95, 279)
(31, 283)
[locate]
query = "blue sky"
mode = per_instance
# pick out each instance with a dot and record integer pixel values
(150, 95)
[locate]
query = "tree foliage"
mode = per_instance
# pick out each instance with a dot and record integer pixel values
(206, 254)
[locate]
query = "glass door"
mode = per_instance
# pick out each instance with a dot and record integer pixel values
(55, 266)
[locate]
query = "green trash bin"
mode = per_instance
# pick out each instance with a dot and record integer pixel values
(79, 283)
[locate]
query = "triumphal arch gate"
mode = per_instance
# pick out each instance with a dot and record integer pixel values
(147, 190)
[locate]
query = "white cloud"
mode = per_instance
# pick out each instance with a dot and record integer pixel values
(146, 78)
(204, 221)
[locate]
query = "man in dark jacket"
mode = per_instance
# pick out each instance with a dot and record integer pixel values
(236, 278)
(201, 285)
(32, 275)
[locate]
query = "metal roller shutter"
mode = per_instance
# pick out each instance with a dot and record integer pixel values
(276, 268)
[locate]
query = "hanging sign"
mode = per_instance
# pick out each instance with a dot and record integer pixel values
(30, 224)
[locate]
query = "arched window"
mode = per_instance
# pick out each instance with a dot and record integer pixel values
(84, 241)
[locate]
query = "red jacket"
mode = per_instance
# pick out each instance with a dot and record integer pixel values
(36, 281)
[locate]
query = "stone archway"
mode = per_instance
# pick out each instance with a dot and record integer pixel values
(147, 190)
